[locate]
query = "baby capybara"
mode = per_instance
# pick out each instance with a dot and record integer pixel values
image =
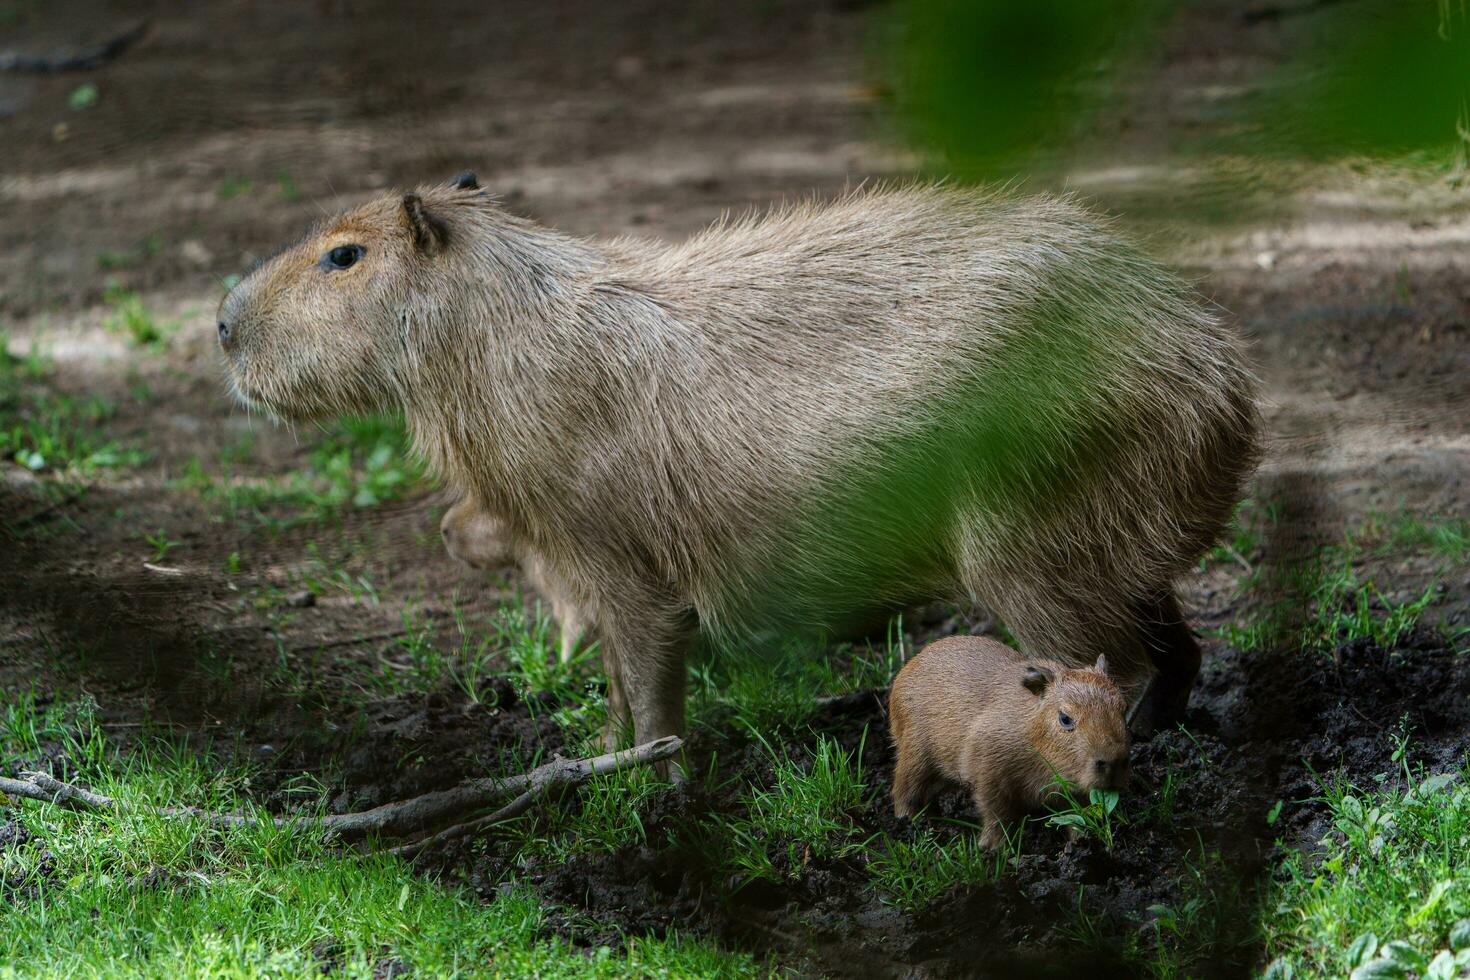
(792, 423)
(972, 711)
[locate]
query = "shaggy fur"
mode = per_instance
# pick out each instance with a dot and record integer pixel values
(791, 421)
(971, 711)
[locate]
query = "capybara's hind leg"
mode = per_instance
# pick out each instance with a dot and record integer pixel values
(998, 813)
(1176, 660)
(913, 782)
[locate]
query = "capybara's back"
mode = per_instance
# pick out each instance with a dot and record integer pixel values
(792, 421)
(968, 394)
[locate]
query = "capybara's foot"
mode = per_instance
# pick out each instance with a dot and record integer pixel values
(903, 807)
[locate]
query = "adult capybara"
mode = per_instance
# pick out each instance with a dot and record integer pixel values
(969, 710)
(481, 540)
(790, 422)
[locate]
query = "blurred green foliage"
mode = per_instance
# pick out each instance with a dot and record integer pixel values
(988, 86)
(985, 83)
(1382, 77)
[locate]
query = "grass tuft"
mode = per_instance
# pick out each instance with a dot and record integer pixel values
(1389, 890)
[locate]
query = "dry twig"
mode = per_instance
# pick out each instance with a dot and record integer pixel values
(398, 819)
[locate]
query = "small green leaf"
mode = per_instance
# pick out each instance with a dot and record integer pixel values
(1442, 967)
(1274, 814)
(1404, 954)
(1375, 969)
(1067, 820)
(403, 896)
(1427, 909)
(1435, 783)
(83, 96)
(1460, 935)
(1362, 949)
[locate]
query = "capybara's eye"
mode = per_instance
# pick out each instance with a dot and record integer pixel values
(343, 256)
(1065, 720)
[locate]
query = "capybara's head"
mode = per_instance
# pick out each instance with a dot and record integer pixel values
(475, 538)
(1082, 731)
(328, 326)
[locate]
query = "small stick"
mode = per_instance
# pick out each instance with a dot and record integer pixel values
(558, 774)
(162, 569)
(393, 819)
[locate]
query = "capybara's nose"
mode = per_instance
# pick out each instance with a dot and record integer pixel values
(225, 333)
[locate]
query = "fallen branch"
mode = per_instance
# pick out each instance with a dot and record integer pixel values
(391, 819)
(86, 59)
(547, 779)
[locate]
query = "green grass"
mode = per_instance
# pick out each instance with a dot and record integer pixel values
(142, 895)
(603, 817)
(1208, 922)
(1442, 536)
(358, 463)
(126, 259)
(132, 320)
(46, 430)
(777, 690)
(1323, 603)
(1389, 892)
(232, 187)
(806, 814)
(914, 873)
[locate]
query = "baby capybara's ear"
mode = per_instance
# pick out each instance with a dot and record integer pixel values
(1035, 680)
(428, 232)
(1101, 666)
(465, 180)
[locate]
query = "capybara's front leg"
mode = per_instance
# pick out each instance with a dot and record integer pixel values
(999, 811)
(1176, 660)
(647, 646)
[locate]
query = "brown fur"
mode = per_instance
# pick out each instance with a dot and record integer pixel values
(793, 421)
(480, 540)
(960, 712)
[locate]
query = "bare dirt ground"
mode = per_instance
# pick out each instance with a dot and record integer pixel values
(230, 126)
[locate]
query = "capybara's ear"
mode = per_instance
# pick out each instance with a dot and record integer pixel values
(429, 233)
(1102, 664)
(465, 180)
(1035, 680)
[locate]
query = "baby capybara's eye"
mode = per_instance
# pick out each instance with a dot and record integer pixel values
(1065, 720)
(342, 256)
